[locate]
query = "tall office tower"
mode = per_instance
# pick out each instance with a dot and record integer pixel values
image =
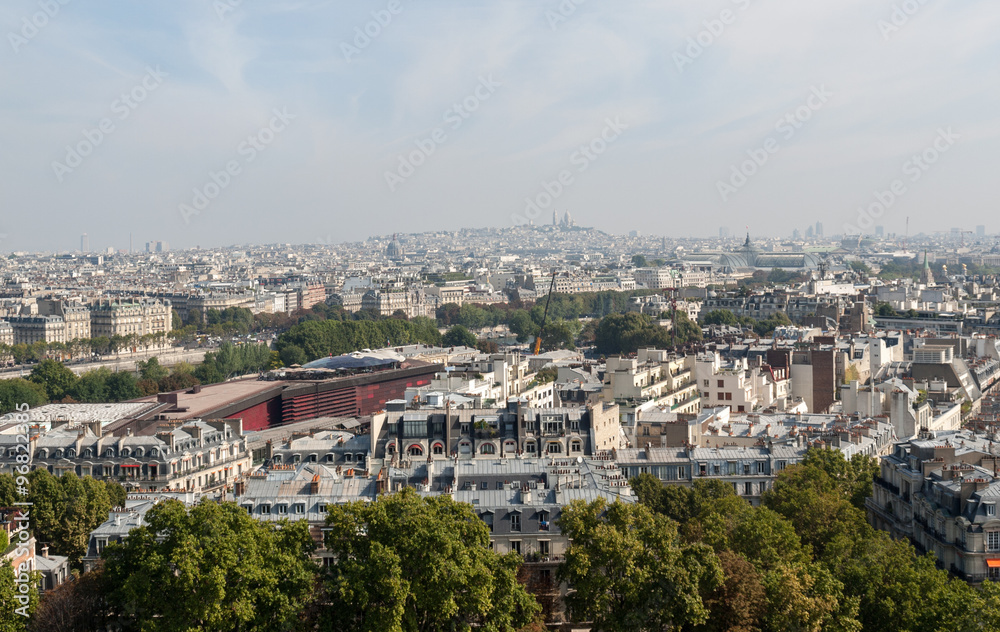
(819, 229)
(880, 231)
(84, 243)
(980, 231)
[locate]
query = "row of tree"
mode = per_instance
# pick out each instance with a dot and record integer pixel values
(314, 339)
(402, 563)
(702, 558)
(101, 345)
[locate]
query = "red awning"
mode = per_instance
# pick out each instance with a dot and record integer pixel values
(130, 465)
(993, 563)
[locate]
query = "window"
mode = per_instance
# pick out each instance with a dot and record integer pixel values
(515, 522)
(101, 543)
(722, 384)
(729, 397)
(554, 448)
(991, 509)
(702, 469)
(299, 508)
(416, 450)
(543, 547)
(438, 448)
(265, 509)
(488, 519)
(761, 467)
(574, 426)
(716, 469)
(993, 540)
(249, 509)
(748, 489)
(484, 485)
(746, 469)
(705, 383)
(488, 448)
(515, 546)
(412, 429)
(780, 465)
(575, 446)
(321, 508)
(529, 447)
(465, 427)
(732, 468)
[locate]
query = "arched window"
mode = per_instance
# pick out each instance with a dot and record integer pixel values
(154, 452)
(138, 453)
(126, 452)
(575, 446)
(109, 452)
(415, 450)
(554, 448)
(348, 458)
(438, 448)
(488, 448)
(42, 454)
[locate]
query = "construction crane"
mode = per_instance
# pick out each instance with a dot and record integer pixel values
(545, 315)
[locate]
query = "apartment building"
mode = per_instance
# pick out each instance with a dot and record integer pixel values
(137, 317)
(940, 491)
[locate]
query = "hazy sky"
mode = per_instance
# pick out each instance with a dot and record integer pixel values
(667, 98)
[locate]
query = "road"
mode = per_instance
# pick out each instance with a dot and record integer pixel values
(125, 361)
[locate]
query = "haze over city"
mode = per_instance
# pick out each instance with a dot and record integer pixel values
(299, 121)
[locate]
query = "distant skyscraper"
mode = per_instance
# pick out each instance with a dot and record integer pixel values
(809, 233)
(819, 229)
(796, 235)
(880, 231)
(980, 231)
(84, 243)
(723, 232)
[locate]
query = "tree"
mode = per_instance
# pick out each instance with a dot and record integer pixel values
(630, 570)
(14, 614)
(151, 369)
(55, 377)
(66, 509)
(210, 568)
(721, 317)
(17, 391)
(73, 606)
(459, 336)
(408, 564)
(639, 261)
(292, 354)
(626, 333)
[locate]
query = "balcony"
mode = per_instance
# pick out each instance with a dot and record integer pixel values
(878, 480)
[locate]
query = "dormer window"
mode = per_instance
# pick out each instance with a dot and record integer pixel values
(991, 509)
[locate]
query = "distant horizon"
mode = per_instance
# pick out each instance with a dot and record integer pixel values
(201, 123)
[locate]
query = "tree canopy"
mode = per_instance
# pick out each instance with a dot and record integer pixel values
(407, 564)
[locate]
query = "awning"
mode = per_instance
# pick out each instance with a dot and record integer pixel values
(130, 465)
(993, 563)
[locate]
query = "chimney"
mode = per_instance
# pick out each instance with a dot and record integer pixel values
(45, 551)
(239, 488)
(314, 485)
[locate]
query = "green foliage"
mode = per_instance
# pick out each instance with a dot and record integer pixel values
(323, 338)
(631, 571)
(55, 377)
(231, 361)
(151, 370)
(66, 509)
(626, 333)
(101, 385)
(639, 261)
(210, 568)
(17, 391)
(860, 266)
(12, 617)
(459, 336)
(406, 563)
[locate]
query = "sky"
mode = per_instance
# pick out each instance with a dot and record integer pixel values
(219, 122)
